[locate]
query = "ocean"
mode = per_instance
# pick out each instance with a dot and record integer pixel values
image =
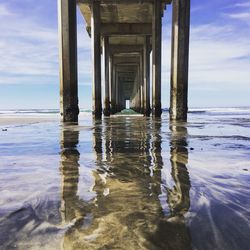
(125, 182)
(205, 110)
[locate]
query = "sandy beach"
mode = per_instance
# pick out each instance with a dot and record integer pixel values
(125, 182)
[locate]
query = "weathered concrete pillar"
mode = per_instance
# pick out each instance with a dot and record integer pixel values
(121, 98)
(142, 82)
(116, 89)
(68, 60)
(179, 60)
(96, 57)
(139, 89)
(156, 58)
(113, 87)
(106, 110)
(146, 64)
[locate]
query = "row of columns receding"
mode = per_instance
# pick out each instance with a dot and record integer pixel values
(120, 60)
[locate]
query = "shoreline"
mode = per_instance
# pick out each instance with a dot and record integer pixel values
(16, 120)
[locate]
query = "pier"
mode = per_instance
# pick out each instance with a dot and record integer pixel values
(127, 34)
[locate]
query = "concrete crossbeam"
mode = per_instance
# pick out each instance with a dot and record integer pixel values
(126, 29)
(123, 1)
(114, 49)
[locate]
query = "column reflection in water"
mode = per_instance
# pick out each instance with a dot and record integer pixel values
(157, 161)
(178, 196)
(70, 173)
(126, 212)
(74, 211)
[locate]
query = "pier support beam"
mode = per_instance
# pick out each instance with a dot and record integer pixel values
(96, 54)
(68, 60)
(113, 87)
(142, 82)
(146, 64)
(106, 110)
(156, 58)
(139, 88)
(117, 90)
(179, 60)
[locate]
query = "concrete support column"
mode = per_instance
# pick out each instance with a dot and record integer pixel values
(96, 57)
(139, 88)
(120, 97)
(113, 87)
(142, 82)
(68, 60)
(146, 71)
(156, 58)
(117, 90)
(106, 110)
(179, 60)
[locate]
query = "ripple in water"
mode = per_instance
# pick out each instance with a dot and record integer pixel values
(127, 183)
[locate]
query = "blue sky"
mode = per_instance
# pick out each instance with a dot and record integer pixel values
(219, 55)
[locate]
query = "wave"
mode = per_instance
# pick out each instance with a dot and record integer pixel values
(214, 110)
(35, 111)
(221, 110)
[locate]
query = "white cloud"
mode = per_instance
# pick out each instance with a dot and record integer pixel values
(26, 49)
(4, 11)
(29, 50)
(243, 4)
(241, 12)
(219, 57)
(242, 16)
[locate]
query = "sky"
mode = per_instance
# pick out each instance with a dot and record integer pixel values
(219, 74)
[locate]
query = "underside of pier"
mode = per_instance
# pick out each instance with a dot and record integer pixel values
(128, 36)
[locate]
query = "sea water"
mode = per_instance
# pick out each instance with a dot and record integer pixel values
(125, 182)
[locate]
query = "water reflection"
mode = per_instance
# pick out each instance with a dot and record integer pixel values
(70, 174)
(178, 196)
(73, 209)
(126, 212)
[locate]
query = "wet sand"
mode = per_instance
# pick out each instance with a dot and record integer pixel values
(125, 183)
